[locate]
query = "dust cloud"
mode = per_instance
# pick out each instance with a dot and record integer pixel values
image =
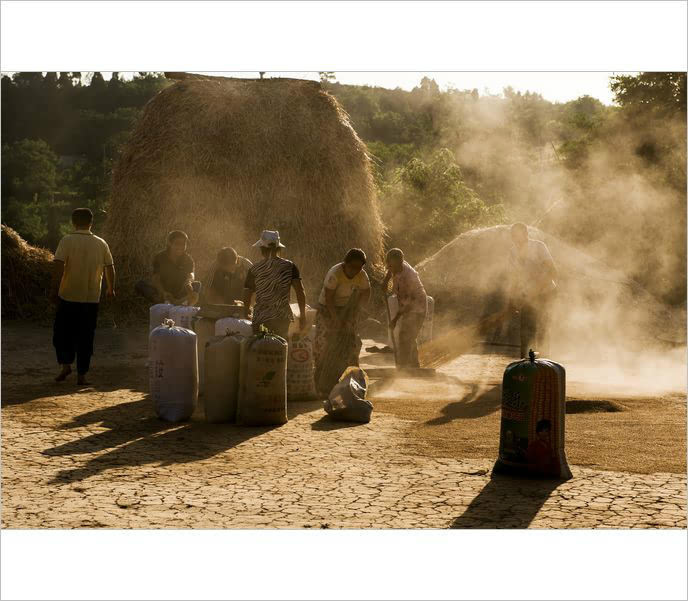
(615, 223)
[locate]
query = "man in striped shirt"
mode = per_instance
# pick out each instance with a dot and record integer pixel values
(271, 280)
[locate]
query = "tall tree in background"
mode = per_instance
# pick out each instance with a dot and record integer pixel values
(29, 181)
(664, 93)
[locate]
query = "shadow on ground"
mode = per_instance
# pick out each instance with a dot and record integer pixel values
(326, 424)
(479, 402)
(29, 366)
(41, 383)
(135, 437)
(506, 502)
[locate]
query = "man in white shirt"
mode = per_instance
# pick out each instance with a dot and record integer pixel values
(80, 260)
(533, 288)
(413, 305)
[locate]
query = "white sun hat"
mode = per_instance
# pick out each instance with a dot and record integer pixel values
(269, 239)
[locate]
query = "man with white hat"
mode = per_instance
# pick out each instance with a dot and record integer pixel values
(271, 280)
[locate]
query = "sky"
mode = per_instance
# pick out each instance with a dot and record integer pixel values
(558, 86)
(554, 86)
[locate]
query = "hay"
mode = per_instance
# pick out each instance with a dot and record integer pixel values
(26, 276)
(223, 159)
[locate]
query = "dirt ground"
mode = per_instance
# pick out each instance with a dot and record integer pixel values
(457, 414)
(97, 456)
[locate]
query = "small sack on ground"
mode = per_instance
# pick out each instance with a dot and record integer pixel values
(346, 401)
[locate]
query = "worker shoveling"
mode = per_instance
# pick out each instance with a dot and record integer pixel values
(411, 312)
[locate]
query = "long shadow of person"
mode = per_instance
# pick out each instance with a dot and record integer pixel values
(185, 443)
(506, 502)
(135, 437)
(479, 402)
(124, 422)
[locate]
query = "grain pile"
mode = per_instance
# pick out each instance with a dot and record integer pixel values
(223, 159)
(598, 309)
(26, 274)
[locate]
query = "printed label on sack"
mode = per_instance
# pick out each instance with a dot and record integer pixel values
(300, 355)
(300, 368)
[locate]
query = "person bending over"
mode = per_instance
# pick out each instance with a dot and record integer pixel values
(413, 305)
(173, 274)
(225, 282)
(345, 284)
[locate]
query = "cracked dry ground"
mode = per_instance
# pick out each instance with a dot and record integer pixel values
(98, 458)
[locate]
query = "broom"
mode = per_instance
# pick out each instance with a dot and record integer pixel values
(457, 341)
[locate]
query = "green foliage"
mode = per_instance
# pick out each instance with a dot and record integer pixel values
(61, 136)
(664, 93)
(427, 203)
(29, 169)
(62, 133)
(29, 183)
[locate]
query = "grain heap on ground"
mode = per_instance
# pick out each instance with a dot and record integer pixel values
(223, 159)
(26, 274)
(597, 307)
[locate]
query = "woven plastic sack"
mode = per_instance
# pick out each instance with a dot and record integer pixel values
(173, 371)
(300, 368)
(205, 330)
(222, 365)
(183, 315)
(531, 440)
(233, 325)
(157, 314)
(346, 401)
(263, 381)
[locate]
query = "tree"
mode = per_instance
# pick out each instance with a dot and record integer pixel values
(428, 204)
(29, 179)
(65, 81)
(428, 86)
(664, 93)
(327, 77)
(29, 169)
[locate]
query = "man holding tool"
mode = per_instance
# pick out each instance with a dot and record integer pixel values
(413, 304)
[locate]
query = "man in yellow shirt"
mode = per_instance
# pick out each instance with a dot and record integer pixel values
(337, 345)
(80, 260)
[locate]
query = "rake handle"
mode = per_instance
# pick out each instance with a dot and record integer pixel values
(391, 331)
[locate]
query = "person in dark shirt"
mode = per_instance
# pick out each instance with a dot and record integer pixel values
(271, 280)
(225, 282)
(173, 274)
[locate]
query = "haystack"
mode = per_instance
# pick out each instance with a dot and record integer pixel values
(596, 306)
(223, 159)
(26, 276)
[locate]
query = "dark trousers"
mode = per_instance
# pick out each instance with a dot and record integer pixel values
(410, 326)
(73, 333)
(151, 294)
